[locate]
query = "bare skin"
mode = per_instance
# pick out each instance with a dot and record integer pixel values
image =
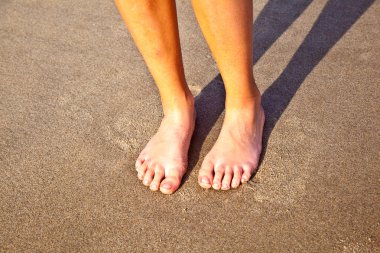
(235, 155)
(154, 28)
(163, 161)
(236, 152)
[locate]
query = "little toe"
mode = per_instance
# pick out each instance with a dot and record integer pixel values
(237, 176)
(217, 183)
(226, 182)
(206, 174)
(247, 173)
(148, 176)
(158, 176)
(142, 170)
(138, 163)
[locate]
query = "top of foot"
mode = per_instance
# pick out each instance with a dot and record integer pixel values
(236, 153)
(163, 162)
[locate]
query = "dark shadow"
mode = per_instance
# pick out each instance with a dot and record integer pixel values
(276, 17)
(335, 20)
(209, 105)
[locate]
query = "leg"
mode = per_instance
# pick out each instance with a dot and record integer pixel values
(153, 26)
(227, 27)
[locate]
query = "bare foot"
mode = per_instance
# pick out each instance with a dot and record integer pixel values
(236, 153)
(163, 161)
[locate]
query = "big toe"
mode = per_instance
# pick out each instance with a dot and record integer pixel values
(169, 185)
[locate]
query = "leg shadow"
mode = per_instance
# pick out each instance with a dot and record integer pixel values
(335, 20)
(276, 17)
(209, 105)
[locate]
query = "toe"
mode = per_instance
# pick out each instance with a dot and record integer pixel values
(247, 173)
(226, 182)
(217, 183)
(148, 176)
(158, 176)
(237, 176)
(206, 172)
(172, 180)
(170, 185)
(141, 170)
(138, 163)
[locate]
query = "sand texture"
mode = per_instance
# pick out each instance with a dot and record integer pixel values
(77, 104)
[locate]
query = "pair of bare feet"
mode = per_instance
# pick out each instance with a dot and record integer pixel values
(232, 160)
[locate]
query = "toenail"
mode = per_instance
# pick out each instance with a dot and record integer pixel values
(153, 186)
(205, 180)
(166, 186)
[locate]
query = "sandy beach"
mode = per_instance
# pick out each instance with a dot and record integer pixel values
(77, 104)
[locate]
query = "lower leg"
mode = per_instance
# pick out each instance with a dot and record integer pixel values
(153, 26)
(227, 27)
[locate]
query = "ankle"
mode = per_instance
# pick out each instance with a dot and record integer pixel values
(243, 103)
(181, 106)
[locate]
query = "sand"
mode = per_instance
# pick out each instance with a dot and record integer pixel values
(77, 104)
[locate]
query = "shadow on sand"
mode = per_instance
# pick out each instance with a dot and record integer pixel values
(334, 21)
